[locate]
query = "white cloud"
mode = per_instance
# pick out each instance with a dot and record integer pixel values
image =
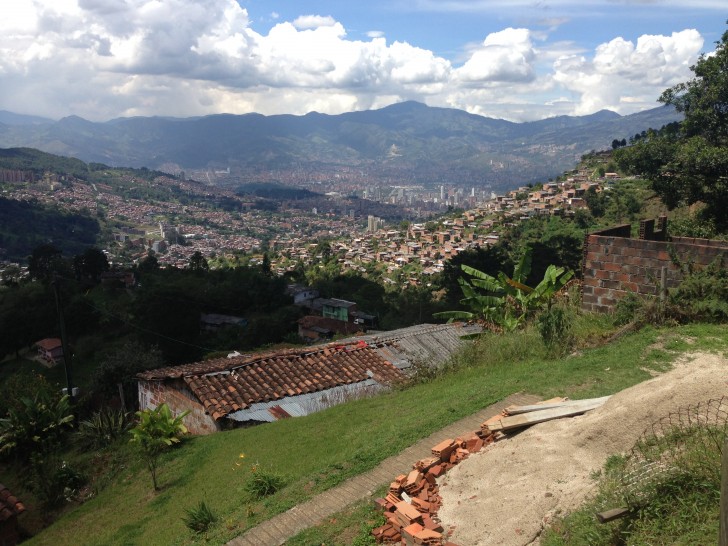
(305, 22)
(504, 57)
(626, 77)
(107, 58)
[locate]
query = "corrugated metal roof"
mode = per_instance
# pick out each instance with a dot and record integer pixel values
(431, 344)
(304, 404)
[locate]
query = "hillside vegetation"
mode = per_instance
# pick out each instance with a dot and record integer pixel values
(316, 452)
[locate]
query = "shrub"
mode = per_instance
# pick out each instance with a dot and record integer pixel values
(555, 326)
(103, 428)
(200, 518)
(37, 425)
(703, 293)
(52, 480)
(157, 430)
(263, 483)
(627, 308)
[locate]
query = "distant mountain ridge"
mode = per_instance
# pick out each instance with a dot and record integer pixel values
(408, 142)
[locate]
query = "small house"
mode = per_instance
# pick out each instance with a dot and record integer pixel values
(337, 309)
(50, 350)
(251, 389)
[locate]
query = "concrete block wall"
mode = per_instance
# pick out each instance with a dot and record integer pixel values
(179, 398)
(615, 264)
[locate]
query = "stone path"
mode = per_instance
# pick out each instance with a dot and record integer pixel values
(280, 528)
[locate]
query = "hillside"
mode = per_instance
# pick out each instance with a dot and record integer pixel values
(317, 452)
(406, 142)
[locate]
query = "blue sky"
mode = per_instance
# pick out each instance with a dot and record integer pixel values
(447, 28)
(510, 59)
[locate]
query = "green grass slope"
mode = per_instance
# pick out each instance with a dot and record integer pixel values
(319, 451)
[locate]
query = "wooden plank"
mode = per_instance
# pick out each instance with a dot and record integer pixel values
(534, 417)
(611, 515)
(517, 410)
(543, 403)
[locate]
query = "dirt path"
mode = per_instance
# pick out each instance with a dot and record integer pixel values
(505, 494)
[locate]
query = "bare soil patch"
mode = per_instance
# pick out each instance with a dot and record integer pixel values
(509, 492)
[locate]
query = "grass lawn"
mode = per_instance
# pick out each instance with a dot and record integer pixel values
(319, 451)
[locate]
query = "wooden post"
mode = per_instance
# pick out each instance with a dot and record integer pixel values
(723, 532)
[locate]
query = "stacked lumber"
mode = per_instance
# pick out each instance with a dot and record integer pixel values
(516, 417)
(413, 499)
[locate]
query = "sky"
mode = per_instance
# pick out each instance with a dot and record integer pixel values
(520, 60)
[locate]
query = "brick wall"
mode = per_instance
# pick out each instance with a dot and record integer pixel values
(179, 398)
(615, 264)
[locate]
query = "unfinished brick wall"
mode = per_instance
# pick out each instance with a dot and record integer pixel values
(179, 398)
(614, 264)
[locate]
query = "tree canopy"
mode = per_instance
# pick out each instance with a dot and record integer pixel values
(691, 166)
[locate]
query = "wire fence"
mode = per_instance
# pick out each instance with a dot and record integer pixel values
(685, 445)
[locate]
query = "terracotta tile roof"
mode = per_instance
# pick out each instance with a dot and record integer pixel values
(329, 324)
(9, 505)
(49, 344)
(227, 385)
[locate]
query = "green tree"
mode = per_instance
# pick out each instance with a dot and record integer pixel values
(149, 263)
(156, 431)
(265, 265)
(691, 166)
(198, 262)
(44, 262)
(116, 374)
(90, 265)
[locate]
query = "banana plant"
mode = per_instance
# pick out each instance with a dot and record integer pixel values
(506, 301)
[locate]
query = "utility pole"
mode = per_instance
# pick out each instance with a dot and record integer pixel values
(723, 517)
(64, 342)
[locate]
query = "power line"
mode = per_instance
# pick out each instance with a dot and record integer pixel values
(136, 327)
(146, 330)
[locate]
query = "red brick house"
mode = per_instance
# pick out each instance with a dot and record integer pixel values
(250, 389)
(228, 392)
(10, 509)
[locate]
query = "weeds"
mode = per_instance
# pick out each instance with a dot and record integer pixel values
(263, 483)
(555, 326)
(200, 518)
(702, 295)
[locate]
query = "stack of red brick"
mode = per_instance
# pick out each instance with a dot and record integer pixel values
(413, 499)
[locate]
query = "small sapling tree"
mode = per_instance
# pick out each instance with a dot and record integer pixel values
(158, 429)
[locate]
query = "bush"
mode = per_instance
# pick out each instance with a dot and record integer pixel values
(263, 483)
(555, 326)
(703, 293)
(103, 428)
(53, 481)
(200, 518)
(627, 309)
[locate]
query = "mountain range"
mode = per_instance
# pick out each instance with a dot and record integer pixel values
(407, 142)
